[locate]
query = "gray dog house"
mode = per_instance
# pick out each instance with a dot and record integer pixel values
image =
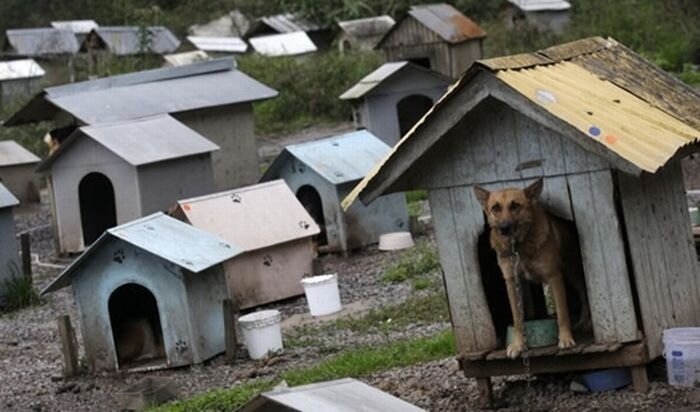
(19, 79)
(110, 174)
(391, 99)
(9, 256)
(436, 36)
(606, 129)
(322, 172)
(211, 97)
(17, 166)
(363, 34)
(149, 295)
(547, 15)
(272, 228)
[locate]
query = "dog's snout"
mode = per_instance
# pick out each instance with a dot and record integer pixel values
(506, 229)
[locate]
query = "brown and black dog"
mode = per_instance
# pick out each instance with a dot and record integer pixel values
(525, 234)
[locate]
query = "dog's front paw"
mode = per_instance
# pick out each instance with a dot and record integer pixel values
(515, 349)
(566, 342)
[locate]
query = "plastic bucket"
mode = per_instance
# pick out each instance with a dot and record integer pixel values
(682, 353)
(262, 332)
(322, 294)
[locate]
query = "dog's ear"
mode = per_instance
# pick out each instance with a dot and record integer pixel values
(534, 191)
(482, 195)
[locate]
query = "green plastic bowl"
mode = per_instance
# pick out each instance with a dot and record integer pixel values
(538, 333)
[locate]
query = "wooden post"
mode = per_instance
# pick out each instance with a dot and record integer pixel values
(25, 242)
(316, 267)
(485, 392)
(68, 346)
(231, 341)
(640, 380)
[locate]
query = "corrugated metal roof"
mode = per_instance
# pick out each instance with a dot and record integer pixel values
(233, 24)
(179, 243)
(449, 23)
(633, 109)
(76, 26)
(20, 69)
(252, 217)
(367, 27)
(142, 141)
(339, 159)
(129, 40)
(219, 44)
(42, 42)
(288, 44)
(7, 199)
(185, 58)
(541, 5)
(384, 73)
(288, 23)
(13, 154)
(342, 395)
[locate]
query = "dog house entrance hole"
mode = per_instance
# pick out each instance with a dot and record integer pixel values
(98, 211)
(311, 200)
(411, 109)
(136, 327)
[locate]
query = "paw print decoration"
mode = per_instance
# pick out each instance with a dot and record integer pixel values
(304, 224)
(267, 260)
(119, 256)
(236, 198)
(181, 347)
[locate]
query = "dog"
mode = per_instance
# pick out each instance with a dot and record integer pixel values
(136, 341)
(539, 247)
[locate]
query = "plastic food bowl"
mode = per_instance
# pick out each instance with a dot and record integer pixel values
(396, 241)
(607, 379)
(538, 333)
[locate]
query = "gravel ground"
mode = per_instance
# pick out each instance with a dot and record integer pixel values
(30, 360)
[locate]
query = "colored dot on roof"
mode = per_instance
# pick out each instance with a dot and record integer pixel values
(594, 131)
(186, 207)
(610, 139)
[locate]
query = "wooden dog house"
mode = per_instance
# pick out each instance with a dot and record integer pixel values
(322, 172)
(156, 269)
(606, 129)
(273, 229)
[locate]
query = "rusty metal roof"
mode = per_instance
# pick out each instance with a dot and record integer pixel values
(7, 199)
(609, 94)
(14, 154)
(383, 73)
(141, 141)
(42, 42)
(541, 5)
(20, 69)
(446, 21)
(338, 159)
(169, 239)
(342, 395)
(252, 217)
(130, 40)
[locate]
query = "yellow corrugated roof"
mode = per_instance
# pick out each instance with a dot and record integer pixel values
(629, 126)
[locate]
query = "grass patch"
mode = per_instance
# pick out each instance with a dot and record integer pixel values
(19, 293)
(412, 264)
(220, 399)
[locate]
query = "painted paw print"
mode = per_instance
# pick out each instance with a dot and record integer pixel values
(267, 260)
(119, 256)
(302, 168)
(304, 224)
(399, 222)
(236, 198)
(181, 346)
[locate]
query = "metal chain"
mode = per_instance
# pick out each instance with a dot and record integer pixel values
(521, 310)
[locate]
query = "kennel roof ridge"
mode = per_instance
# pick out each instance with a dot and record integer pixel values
(177, 242)
(383, 73)
(253, 217)
(602, 95)
(7, 199)
(14, 154)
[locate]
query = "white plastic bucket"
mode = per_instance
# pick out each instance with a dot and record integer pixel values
(322, 294)
(262, 332)
(682, 353)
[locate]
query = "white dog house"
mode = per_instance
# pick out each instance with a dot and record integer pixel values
(10, 265)
(17, 166)
(322, 172)
(391, 99)
(272, 228)
(110, 174)
(150, 295)
(19, 79)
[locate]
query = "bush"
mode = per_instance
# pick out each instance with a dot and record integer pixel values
(19, 293)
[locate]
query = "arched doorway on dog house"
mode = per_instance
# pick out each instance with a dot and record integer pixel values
(98, 211)
(309, 198)
(410, 109)
(136, 327)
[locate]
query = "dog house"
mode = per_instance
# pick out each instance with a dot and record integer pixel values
(150, 294)
(211, 97)
(9, 253)
(322, 172)
(17, 166)
(54, 49)
(19, 79)
(435, 36)
(544, 16)
(391, 99)
(606, 129)
(274, 231)
(130, 40)
(363, 34)
(109, 174)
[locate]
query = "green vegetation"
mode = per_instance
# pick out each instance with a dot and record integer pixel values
(414, 263)
(352, 363)
(19, 293)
